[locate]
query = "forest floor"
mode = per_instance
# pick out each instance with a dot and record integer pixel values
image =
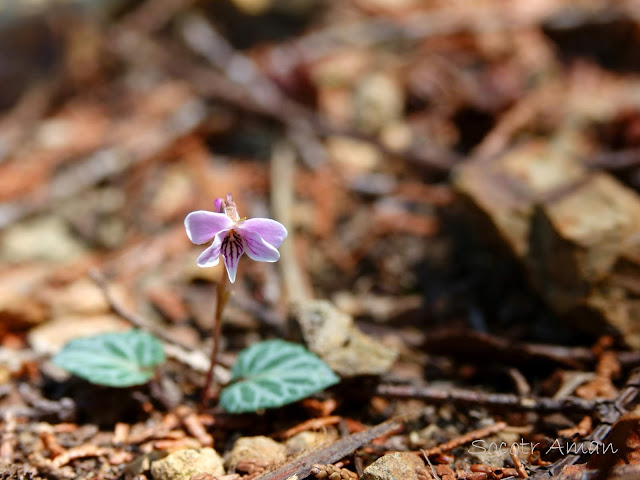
(460, 185)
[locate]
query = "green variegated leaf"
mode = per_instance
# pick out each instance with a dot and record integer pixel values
(119, 359)
(273, 373)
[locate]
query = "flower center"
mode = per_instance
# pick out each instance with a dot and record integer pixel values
(232, 212)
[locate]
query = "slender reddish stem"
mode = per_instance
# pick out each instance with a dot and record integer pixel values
(221, 301)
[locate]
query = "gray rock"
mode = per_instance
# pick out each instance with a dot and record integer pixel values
(182, 464)
(331, 335)
(378, 101)
(396, 466)
(307, 441)
(45, 238)
(259, 451)
(576, 232)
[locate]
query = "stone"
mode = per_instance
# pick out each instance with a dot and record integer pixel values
(396, 466)
(19, 311)
(353, 156)
(82, 297)
(182, 464)
(487, 451)
(260, 451)
(332, 335)
(378, 101)
(308, 440)
(505, 189)
(21, 303)
(576, 232)
(141, 464)
(397, 136)
(576, 241)
(45, 238)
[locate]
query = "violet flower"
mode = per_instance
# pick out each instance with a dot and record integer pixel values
(232, 236)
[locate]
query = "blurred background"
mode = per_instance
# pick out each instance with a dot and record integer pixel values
(459, 177)
(438, 163)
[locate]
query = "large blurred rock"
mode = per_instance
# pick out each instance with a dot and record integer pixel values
(576, 231)
(46, 238)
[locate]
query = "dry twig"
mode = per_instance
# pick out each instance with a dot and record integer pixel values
(466, 438)
(311, 424)
(121, 433)
(81, 451)
(194, 426)
(499, 400)
(522, 473)
(610, 414)
(51, 443)
(582, 429)
(282, 171)
(327, 455)
(8, 436)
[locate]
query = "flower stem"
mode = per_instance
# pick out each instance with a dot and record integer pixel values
(221, 300)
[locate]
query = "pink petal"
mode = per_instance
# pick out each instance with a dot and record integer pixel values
(202, 226)
(271, 231)
(258, 249)
(232, 249)
(211, 256)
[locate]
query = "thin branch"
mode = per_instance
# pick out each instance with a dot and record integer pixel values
(301, 467)
(517, 463)
(460, 396)
(608, 416)
(616, 160)
(282, 172)
(464, 439)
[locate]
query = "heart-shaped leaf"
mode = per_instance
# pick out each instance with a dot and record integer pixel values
(119, 359)
(273, 373)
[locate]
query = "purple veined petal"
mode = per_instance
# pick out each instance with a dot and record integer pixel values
(202, 226)
(211, 256)
(231, 250)
(258, 249)
(271, 231)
